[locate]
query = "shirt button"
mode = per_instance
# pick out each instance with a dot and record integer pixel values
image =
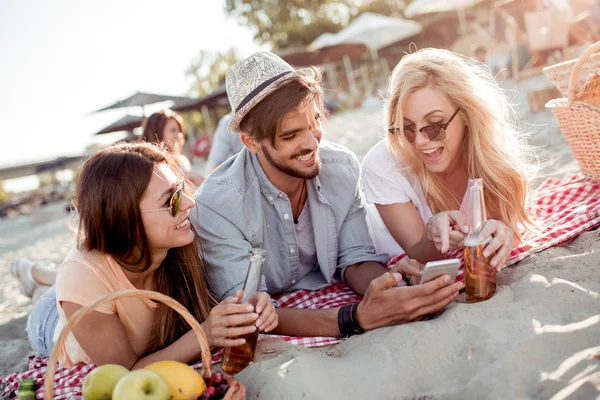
(292, 251)
(293, 281)
(286, 216)
(270, 198)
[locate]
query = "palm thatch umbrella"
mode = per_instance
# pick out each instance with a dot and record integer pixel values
(422, 7)
(141, 99)
(217, 98)
(323, 55)
(373, 30)
(127, 123)
(207, 105)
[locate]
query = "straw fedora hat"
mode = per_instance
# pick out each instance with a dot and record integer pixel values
(251, 80)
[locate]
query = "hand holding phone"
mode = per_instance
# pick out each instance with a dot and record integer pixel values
(434, 269)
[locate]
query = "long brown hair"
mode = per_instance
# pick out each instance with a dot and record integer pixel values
(154, 126)
(264, 120)
(107, 197)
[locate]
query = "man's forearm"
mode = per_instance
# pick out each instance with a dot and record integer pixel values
(302, 322)
(359, 276)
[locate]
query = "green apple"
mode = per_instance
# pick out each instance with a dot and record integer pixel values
(99, 384)
(141, 384)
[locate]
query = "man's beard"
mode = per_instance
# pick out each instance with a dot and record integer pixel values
(291, 171)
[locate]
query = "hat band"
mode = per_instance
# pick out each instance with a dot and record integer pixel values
(259, 89)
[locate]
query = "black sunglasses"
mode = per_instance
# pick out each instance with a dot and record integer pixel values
(435, 131)
(174, 203)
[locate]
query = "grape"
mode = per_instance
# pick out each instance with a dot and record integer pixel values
(211, 390)
(222, 388)
(216, 387)
(216, 379)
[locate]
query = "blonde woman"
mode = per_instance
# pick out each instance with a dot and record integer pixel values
(447, 121)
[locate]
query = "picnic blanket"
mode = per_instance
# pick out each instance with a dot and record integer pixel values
(562, 209)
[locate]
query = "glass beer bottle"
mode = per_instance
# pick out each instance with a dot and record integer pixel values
(480, 275)
(26, 389)
(237, 358)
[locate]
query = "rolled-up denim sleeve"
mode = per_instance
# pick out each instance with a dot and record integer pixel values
(355, 244)
(224, 249)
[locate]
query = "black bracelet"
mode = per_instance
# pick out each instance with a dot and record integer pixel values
(342, 318)
(355, 319)
(348, 322)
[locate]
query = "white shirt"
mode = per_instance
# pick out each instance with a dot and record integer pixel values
(309, 273)
(386, 180)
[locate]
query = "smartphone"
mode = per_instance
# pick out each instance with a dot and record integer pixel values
(433, 269)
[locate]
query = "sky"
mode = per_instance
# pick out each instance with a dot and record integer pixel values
(62, 59)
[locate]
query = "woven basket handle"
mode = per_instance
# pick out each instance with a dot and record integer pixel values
(125, 294)
(575, 72)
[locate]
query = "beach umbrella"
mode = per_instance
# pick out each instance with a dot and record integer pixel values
(127, 123)
(323, 55)
(141, 99)
(207, 105)
(217, 98)
(373, 30)
(327, 56)
(421, 7)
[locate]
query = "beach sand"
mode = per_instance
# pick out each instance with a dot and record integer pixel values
(538, 337)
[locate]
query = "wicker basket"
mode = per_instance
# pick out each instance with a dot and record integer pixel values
(236, 391)
(591, 91)
(580, 121)
(560, 74)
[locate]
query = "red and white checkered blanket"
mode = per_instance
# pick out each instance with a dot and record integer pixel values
(563, 210)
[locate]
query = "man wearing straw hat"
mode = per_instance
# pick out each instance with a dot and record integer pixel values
(297, 196)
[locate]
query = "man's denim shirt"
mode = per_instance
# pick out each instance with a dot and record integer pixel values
(238, 208)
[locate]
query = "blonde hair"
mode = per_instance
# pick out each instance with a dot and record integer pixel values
(493, 148)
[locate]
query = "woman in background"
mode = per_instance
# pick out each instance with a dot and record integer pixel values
(447, 121)
(167, 127)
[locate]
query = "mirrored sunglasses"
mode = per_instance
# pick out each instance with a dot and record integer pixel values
(174, 202)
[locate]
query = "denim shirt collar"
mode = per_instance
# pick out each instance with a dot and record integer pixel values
(269, 190)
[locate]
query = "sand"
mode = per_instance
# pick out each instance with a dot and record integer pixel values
(45, 235)
(537, 338)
